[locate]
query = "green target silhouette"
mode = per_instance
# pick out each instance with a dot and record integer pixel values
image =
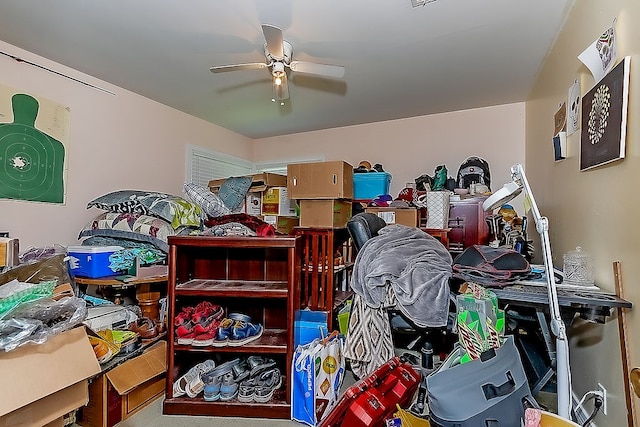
(31, 162)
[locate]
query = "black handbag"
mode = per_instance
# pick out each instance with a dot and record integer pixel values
(490, 266)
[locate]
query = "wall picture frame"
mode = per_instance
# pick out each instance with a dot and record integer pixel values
(604, 118)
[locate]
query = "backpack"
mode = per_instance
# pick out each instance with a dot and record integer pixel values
(474, 169)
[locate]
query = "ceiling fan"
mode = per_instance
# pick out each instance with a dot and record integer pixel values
(279, 54)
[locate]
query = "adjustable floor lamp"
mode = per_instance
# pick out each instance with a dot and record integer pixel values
(497, 199)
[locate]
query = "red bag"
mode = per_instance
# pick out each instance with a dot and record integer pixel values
(373, 399)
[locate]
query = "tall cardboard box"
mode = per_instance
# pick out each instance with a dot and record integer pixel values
(43, 382)
(325, 213)
(404, 216)
(321, 180)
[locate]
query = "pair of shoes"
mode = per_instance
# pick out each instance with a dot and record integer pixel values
(182, 384)
(201, 326)
(237, 330)
(259, 364)
(213, 380)
(144, 327)
(261, 388)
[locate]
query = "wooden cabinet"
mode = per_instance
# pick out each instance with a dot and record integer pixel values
(467, 221)
(324, 282)
(251, 275)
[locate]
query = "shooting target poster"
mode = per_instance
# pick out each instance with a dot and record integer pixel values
(604, 119)
(34, 144)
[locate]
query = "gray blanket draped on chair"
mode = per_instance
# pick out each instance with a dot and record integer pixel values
(402, 267)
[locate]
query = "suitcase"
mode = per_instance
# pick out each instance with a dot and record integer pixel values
(492, 391)
(373, 399)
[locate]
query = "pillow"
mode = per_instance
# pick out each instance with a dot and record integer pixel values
(233, 191)
(176, 210)
(139, 227)
(209, 202)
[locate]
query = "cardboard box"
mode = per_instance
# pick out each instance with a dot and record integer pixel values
(321, 180)
(91, 261)
(283, 224)
(253, 204)
(325, 213)
(46, 380)
(368, 186)
(259, 183)
(119, 393)
(404, 216)
(9, 250)
(275, 201)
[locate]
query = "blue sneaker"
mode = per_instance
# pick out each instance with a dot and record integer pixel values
(225, 329)
(244, 332)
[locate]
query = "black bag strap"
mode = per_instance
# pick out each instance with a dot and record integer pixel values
(492, 391)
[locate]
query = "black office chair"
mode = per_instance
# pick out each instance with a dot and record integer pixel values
(362, 227)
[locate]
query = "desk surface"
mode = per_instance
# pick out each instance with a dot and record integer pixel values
(575, 298)
(114, 281)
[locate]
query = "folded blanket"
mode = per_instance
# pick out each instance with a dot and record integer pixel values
(416, 265)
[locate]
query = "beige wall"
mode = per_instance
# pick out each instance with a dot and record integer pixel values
(594, 209)
(411, 147)
(124, 141)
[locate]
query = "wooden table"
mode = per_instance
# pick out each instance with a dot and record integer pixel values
(144, 286)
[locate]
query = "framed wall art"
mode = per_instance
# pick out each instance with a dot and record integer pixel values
(604, 118)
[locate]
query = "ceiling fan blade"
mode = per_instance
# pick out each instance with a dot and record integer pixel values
(281, 91)
(273, 36)
(237, 67)
(319, 69)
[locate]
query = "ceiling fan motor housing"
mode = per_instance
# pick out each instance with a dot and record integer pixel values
(287, 51)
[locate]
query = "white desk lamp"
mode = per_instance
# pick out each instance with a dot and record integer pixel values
(497, 199)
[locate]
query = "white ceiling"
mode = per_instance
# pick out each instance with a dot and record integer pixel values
(400, 61)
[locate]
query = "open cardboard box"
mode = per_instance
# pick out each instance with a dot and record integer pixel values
(120, 392)
(259, 182)
(43, 382)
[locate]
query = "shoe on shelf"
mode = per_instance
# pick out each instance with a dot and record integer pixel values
(186, 333)
(181, 384)
(206, 309)
(247, 390)
(212, 379)
(205, 332)
(229, 387)
(259, 364)
(183, 317)
(244, 332)
(268, 382)
(212, 385)
(223, 333)
(241, 371)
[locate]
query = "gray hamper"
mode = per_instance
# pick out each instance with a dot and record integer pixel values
(490, 393)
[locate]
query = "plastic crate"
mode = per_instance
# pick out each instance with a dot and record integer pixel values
(370, 185)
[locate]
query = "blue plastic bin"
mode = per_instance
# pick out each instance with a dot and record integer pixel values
(370, 185)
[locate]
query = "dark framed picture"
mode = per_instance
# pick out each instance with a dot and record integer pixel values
(604, 118)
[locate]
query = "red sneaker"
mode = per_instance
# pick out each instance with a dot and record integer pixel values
(184, 316)
(186, 333)
(206, 309)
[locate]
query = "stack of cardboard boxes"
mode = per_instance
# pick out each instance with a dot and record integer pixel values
(268, 200)
(324, 191)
